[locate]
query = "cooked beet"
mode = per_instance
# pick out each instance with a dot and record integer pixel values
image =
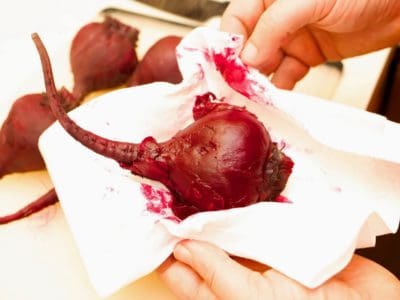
(29, 116)
(103, 55)
(224, 159)
(159, 63)
(44, 201)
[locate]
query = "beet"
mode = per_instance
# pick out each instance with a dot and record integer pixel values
(159, 63)
(29, 116)
(103, 55)
(224, 159)
(44, 201)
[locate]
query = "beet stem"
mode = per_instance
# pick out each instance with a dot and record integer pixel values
(41, 203)
(119, 151)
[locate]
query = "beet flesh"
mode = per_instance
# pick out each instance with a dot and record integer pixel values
(224, 159)
(103, 55)
(29, 116)
(159, 63)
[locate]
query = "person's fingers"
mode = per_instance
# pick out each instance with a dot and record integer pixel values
(366, 275)
(183, 281)
(361, 279)
(221, 273)
(241, 17)
(289, 72)
(295, 60)
(274, 27)
(305, 47)
(273, 63)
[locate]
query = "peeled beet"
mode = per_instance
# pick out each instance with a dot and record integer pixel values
(224, 159)
(29, 116)
(103, 55)
(159, 63)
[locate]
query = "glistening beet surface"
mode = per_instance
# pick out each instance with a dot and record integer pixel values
(224, 159)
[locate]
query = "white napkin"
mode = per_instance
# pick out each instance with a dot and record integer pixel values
(344, 187)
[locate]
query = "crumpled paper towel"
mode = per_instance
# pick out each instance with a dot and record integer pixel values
(344, 189)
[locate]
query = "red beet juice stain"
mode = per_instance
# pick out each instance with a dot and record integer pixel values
(282, 199)
(337, 189)
(159, 200)
(235, 74)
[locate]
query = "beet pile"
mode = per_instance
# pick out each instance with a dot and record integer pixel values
(102, 55)
(224, 159)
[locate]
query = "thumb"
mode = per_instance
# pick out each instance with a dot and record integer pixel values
(274, 27)
(225, 277)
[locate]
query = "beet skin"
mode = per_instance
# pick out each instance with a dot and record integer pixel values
(224, 159)
(102, 56)
(29, 116)
(159, 63)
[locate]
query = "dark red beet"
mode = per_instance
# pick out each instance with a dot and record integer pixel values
(44, 201)
(29, 116)
(158, 64)
(103, 55)
(224, 159)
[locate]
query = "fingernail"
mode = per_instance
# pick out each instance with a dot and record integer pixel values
(182, 253)
(250, 54)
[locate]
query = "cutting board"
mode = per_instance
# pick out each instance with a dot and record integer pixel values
(38, 256)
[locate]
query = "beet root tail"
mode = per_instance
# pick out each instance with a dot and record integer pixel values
(41, 203)
(119, 151)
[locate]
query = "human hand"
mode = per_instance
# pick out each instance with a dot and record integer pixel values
(202, 271)
(287, 37)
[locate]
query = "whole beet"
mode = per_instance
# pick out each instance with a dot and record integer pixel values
(224, 159)
(102, 55)
(159, 63)
(29, 116)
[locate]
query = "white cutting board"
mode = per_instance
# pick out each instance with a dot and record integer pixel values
(38, 256)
